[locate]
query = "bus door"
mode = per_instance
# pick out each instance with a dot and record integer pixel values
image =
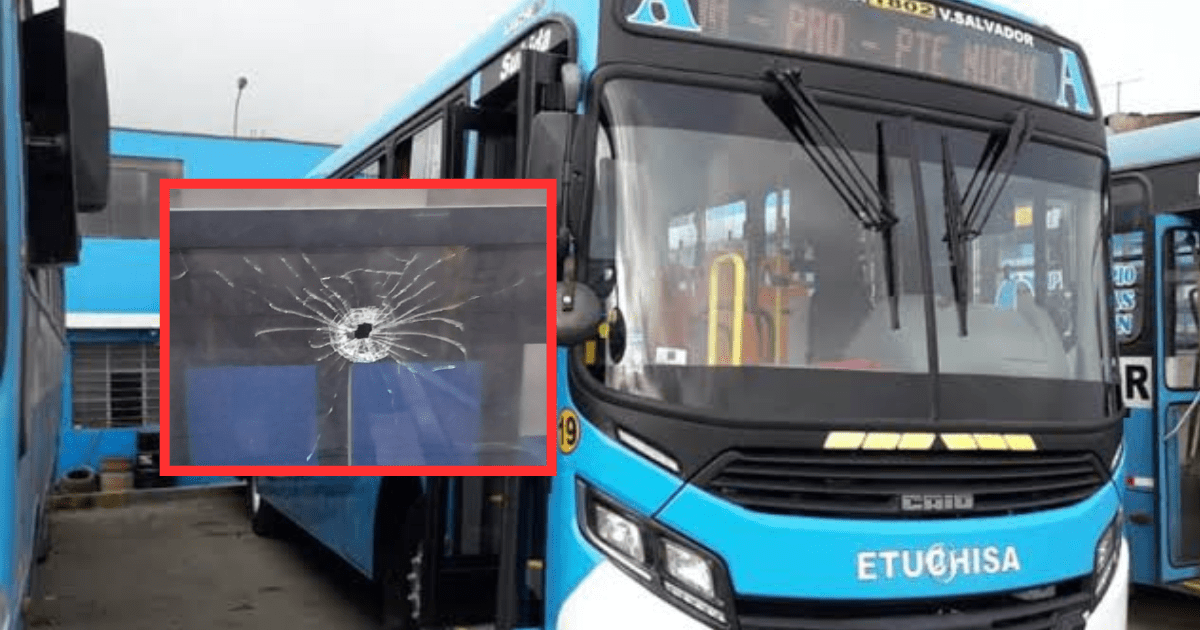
(483, 554)
(1177, 434)
(460, 559)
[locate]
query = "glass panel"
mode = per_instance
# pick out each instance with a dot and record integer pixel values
(737, 264)
(427, 152)
(1185, 493)
(321, 337)
(1182, 304)
(133, 206)
(371, 170)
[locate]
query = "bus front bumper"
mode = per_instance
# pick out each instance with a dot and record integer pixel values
(608, 598)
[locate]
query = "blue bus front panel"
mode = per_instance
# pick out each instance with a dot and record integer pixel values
(778, 562)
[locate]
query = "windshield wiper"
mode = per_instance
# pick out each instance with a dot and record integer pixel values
(966, 216)
(871, 204)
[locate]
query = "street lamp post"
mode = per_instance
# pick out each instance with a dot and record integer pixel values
(241, 85)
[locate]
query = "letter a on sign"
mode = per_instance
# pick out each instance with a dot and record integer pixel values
(677, 14)
(1137, 382)
(1072, 77)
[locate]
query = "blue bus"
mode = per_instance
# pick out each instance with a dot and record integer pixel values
(1155, 267)
(55, 172)
(112, 383)
(835, 348)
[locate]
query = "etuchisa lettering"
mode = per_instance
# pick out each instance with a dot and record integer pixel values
(940, 563)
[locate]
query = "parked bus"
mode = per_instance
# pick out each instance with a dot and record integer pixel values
(55, 169)
(1155, 267)
(835, 346)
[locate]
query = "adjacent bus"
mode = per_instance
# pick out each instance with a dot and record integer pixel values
(835, 341)
(1155, 269)
(55, 169)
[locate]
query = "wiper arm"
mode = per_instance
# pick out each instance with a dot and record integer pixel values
(966, 216)
(957, 236)
(981, 199)
(871, 204)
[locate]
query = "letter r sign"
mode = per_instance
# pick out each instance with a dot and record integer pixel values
(1137, 382)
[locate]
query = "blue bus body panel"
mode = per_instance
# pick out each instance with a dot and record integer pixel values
(569, 556)
(772, 555)
(216, 157)
(1140, 467)
(23, 486)
(1162, 144)
(338, 511)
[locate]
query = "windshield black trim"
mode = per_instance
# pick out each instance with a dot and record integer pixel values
(693, 439)
(761, 87)
(666, 34)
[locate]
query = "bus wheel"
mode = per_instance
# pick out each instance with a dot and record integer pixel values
(264, 520)
(400, 588)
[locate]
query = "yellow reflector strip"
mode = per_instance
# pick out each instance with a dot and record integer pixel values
(959, 441)
(603, 330)
(1020, 442)
(844, 440)
(917, 441)
(991, 442)
(881, 441)
(589, 353)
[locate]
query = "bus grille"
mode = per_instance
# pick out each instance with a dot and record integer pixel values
(922, 485)
(1057, 607)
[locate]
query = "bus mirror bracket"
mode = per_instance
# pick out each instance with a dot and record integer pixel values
(578, 314)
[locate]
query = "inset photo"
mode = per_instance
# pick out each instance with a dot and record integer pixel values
(356, 327)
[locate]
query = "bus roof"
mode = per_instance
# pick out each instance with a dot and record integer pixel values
(1162, 144)
(493, 40)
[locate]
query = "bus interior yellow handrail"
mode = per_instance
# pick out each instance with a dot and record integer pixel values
(739, 306)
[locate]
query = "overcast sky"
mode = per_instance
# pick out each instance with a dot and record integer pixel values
(321, 70)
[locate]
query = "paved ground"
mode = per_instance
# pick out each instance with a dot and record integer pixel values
(191, 564)
(194, 564)
(1159, 610)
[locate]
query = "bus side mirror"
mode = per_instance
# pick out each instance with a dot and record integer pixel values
(88, 105)
(550, 137)
(66, 135)
(578, 314)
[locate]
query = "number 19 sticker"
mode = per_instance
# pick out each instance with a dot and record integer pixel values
(568, 431)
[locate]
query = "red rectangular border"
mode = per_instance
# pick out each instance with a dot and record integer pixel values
(165, 188)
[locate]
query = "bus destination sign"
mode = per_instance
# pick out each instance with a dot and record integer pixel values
(926, 38)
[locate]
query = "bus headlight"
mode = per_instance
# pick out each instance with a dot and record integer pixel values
(676, 569)
(619, 532)
(689, 568)
(1108, 552)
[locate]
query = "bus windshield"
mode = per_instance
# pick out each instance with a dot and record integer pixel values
(731, 248)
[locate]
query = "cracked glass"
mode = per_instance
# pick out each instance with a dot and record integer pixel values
(323, 338)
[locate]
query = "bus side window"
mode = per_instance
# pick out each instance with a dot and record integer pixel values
(373, 169)
(420, 156)
(1183, 303)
